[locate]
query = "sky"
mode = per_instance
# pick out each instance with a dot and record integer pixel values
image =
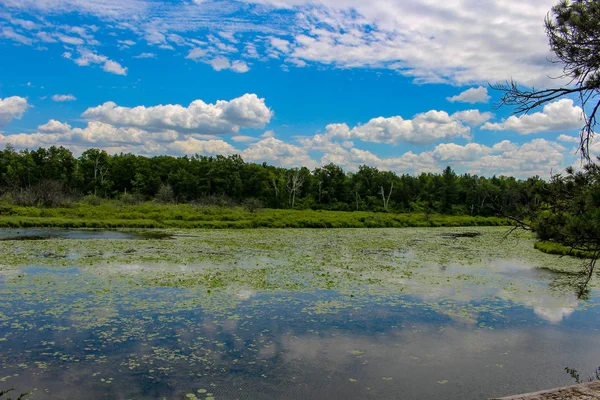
(399, 85)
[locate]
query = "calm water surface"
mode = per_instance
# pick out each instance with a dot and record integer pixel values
(356, 314)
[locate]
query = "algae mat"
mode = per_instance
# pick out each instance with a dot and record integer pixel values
(261, 314)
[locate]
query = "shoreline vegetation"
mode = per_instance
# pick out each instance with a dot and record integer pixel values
(51, 188)
(113, 215)
(150, 215)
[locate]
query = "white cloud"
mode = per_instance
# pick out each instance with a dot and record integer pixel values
(192, 146)
(12, 108)
(88, 57)
(29, 25)
(9, 33)
(472, 95)
(424, 128)
(408, 162)
(453, 152)
(45, 37)
(279, 153)
(63, 97)
(220, 63)
(196, 53)
(244, 139)
(154, 37)
(537, 157)
(240, 66)
(457, 41)
(280, 44)
(145, 55)
(54, 126)
(126, 43)
(430, 41)
(114, 67)
(220, 118)
(70, 39)
(568, 139)
(223, 63)
(556, 116)
(473, 117)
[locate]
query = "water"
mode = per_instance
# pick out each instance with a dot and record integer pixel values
(354, 314)
(87, 234)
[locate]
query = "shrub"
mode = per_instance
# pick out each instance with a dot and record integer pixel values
(132, 199)
(92, 200)
(165, 194)
(252, 204)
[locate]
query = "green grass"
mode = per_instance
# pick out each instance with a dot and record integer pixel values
(151, 215)
(558, 249)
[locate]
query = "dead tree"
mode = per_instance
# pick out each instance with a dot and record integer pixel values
(386, 200)
(294, 181)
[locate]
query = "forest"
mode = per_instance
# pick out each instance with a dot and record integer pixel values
(53, 177)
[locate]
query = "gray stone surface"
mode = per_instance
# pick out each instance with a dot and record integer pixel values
(586, 391)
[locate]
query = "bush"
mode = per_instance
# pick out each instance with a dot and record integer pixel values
(252, 204)
(92, 200)
(46, 193)
(217, 200)
(131, 199)
(165, 194)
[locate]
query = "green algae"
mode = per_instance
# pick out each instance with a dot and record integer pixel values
(134, 290)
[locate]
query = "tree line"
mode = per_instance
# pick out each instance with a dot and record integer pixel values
(48, 177)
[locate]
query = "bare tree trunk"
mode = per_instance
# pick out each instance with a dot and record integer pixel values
(294, 182)
(276, 188)
(386, 201)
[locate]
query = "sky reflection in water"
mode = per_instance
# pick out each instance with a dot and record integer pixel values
(73, 332)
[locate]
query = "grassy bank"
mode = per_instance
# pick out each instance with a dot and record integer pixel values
(558, 249)
(150, 215)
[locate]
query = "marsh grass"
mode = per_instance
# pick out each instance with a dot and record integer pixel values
(152, 215)
(558, 249)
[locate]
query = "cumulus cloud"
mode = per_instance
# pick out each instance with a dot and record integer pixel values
(54, 126)
(12, 108)
(223, 117)
(453, 152)
(278, 152)
(63, 97)
(567, 138)
(472, 95)
(537, 157)
(556, 116)
(473, 117)
(203, 147)
(424, 128)
(105, 136)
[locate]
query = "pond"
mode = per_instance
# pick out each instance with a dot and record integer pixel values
(295, 314)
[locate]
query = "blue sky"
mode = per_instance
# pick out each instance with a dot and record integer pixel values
(394, 84)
